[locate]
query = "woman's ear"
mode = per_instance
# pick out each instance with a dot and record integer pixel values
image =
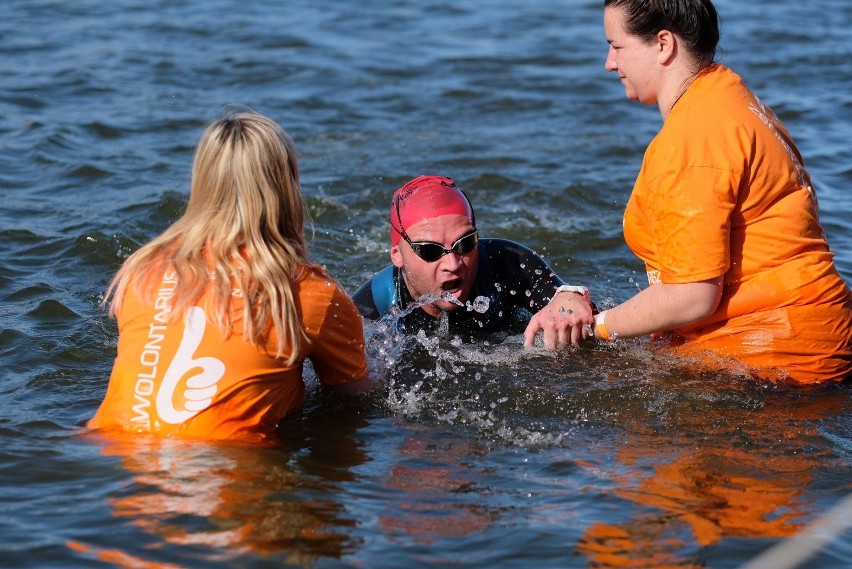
(667, 46)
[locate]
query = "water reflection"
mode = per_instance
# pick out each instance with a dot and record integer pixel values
(436, 490)
(222, 502)
(697, 457)
(725, 462)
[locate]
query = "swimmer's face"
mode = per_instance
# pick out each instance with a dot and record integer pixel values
(453, 273)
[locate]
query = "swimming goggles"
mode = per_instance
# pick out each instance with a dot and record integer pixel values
(430, 251)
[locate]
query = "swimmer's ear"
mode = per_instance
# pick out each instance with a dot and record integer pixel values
(396, 256)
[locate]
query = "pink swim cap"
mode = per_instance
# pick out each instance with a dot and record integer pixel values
(424, 198)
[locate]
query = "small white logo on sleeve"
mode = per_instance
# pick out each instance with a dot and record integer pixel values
(201, 386)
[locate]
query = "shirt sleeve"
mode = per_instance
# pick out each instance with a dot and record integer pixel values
(692, 216)
(337, 353)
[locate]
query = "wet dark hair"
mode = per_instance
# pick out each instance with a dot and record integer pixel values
(694, 21)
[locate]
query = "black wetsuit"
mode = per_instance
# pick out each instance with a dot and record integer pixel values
(515, 280)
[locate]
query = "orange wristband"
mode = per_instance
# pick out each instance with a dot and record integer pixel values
(600, 326)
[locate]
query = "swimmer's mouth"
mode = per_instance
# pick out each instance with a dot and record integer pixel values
(452, 286)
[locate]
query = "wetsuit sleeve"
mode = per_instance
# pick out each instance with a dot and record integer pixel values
(376, 296)
(363, 299)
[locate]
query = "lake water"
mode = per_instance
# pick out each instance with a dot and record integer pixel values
(478, 455)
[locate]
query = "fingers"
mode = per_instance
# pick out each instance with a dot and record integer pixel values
(563, 337)
(559, 326)
(548, 338)
(576, 334)
(531, 331)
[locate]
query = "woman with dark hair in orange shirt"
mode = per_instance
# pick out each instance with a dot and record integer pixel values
(723, 212)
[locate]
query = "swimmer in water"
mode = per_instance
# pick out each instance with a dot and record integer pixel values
(467, 283)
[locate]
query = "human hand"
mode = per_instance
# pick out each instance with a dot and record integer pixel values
(566, 319)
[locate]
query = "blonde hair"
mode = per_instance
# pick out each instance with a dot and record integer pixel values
(243, 227)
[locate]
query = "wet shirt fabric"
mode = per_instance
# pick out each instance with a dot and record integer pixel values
(723, 191)
(184, 378)
(512, 283)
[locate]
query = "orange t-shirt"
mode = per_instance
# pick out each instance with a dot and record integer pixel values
(723, 191)
(183, 377)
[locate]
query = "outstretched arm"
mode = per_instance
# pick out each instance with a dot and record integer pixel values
(662, 307)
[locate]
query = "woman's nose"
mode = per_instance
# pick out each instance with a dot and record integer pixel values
(609, 64)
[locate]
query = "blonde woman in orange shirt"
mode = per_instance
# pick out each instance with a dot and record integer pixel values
(217, 314)
(723, 212)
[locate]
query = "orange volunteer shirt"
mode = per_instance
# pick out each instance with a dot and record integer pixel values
(184, 378)
(723, 191)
